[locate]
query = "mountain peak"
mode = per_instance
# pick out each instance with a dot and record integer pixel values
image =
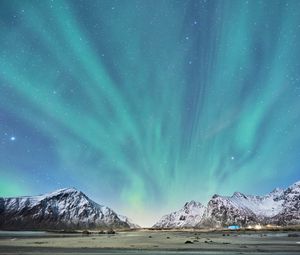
(276, 192)
(63, 191)
(215, 196)
(280, 207)
(295, 185)
(186, 217)
(62, 209)
(192, 204)
(67, 190)
(239, 195)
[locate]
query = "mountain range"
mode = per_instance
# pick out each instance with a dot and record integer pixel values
(279, 207)
(61, 209)
(72, 209)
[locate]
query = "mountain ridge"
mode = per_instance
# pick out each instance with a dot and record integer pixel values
(184, 218)
(280, 207)
(66, 208)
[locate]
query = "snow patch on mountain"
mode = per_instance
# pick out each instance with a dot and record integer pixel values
(186, 217)
(267, 206)
(281, 207)
(128, 221)
(64, 208)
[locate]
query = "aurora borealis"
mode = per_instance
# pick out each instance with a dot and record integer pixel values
(144, 105)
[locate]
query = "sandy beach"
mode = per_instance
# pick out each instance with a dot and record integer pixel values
(152, 242)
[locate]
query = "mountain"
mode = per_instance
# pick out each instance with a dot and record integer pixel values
(280, 207)
(186, 217)
(290, 212)
(61, 209)
(242, 209)
(223, 211)
(128, 221)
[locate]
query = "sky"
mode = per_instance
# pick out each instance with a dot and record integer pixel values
(144, 105)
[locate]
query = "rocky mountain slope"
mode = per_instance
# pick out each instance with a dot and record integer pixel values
(128, 221)
(62, 209)
(280, 207)
(290, 206)
(186, 217)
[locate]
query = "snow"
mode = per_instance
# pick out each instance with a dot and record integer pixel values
(295, 187)
(261, 206)
(188, 216)
(128, 221)
(279, 206)
(69, 205)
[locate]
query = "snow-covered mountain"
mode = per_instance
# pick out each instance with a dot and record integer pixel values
(281, 207)
(186, 217)
(290, 206)
(242, 209)
(128, 221)
(222, 211)
(61, 209)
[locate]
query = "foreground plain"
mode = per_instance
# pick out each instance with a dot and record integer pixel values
(152, 242)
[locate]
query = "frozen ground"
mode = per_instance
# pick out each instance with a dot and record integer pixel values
(152, 242)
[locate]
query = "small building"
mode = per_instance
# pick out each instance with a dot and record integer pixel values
(234, 227)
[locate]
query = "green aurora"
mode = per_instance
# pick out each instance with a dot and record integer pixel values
(144, 105)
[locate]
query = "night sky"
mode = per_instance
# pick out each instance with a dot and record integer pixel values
(144, 105)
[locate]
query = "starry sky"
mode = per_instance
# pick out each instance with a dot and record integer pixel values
(144, 105)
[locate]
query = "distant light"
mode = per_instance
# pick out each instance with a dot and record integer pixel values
(258, 227)
(232, 157)
(12, 138)
(233, 227)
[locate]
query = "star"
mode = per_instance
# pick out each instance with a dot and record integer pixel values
(194, 101)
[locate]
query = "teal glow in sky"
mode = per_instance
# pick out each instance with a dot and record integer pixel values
(144, 105)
